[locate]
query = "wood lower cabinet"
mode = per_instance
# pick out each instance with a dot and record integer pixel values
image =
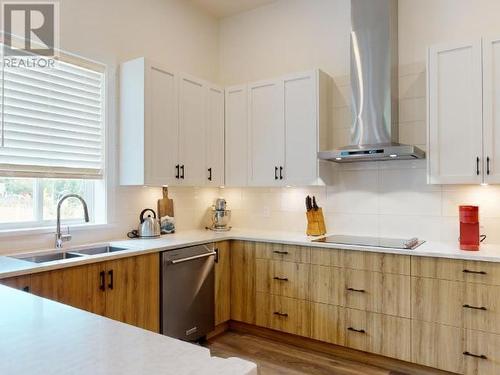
(280, 278)
(243, 281)
(223, 283)
(125, 289)
(481, 353)
(328, 323)
(284, 314)
(379, 262)
(326, 285)
(378, 333)
(133, 291)
(81, 287)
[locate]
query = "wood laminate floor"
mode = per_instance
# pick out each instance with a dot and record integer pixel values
(275, 358)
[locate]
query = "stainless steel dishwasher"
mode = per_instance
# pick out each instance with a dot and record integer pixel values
(188, 292)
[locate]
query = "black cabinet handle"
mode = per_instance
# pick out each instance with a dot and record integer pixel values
(356, 290)
(281, 173)
(216, 258)
(177, 174)
(488, 165)
(102, 281)
(276, 173)
(482, 356)
(111, 281)
(284, 315)
(474, 307)
(474, 272)
(182, 171)
(477, 165)
(280, 278)
(280, 252)
(356, 330)
(209, 174)
(26, 289)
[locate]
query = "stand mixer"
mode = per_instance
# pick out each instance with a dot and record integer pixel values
(220, 216)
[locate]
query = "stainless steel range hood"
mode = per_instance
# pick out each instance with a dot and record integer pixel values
(374, 85)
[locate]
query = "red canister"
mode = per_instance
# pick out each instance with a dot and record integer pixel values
(469, 228)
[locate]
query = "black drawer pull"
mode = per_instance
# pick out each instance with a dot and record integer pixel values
(356, 330)
(475, 272)
(209, 174)
(177, 171)
(281, 173)
(280, 278)
(284, 315)
(477, 166)
(474, 307)
(276, 173)
(111, 279)
(356, 290)
(280, 252)
(182, 172)
(488, 165)
(482, 356)
(102, 281)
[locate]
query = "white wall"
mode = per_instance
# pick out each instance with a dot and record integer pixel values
(387, 199)
(174, 32)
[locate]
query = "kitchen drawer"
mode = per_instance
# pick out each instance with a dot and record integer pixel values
(481, 307)
(377, 292)
(378, 333)
(436, 345)
(284, 314)
(327, 285)
(482, 353)
(327, 257)
(289, 253)
(456, 270)
(328, 323)
(437, 301)
(380, 262)
(282, 278)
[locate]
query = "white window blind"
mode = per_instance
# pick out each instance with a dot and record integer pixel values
(52, 122)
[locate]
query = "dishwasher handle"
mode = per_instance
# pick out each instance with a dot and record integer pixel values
(182, 260)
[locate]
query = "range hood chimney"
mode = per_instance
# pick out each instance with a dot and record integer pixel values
(374, 86)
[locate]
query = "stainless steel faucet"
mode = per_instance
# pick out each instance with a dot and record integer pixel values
(60, 238)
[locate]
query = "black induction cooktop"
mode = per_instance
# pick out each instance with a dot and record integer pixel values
(391, 243)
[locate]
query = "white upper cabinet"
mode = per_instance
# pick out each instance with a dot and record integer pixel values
(301, 129)
(214, 167)
(455, 144)
(236, 136)
(192, 127)
(266, 130)
(149, 124)
(491, 109)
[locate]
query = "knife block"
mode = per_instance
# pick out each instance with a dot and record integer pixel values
(315, 223)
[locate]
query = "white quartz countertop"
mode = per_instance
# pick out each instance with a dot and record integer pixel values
(10, 267)
(39, 336)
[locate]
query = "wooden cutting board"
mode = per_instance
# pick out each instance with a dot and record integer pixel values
(165, 205)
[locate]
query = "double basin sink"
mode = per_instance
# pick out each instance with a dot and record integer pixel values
(69, 254)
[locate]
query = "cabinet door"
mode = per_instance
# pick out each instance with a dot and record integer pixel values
(223, 284)
(236, 137)
(491, 109)
(161, 130)
(243, 281)
(132, 291)
(20, 282)
(215, 137)
(267, 133)
(80, 287)
(301, 137)
(192, 124)
(455, 114)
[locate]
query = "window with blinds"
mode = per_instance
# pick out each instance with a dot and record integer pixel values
(52, 122)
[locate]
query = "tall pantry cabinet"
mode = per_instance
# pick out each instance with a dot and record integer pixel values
(172, 127)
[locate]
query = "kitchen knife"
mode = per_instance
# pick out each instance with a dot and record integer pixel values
(314, 205)
(308, 203)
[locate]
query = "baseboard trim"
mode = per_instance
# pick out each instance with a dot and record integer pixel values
(218, 330)
(336, 350)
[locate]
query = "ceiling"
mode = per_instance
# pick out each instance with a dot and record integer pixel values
(225, 8)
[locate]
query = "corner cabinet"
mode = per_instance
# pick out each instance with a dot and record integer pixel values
(463, 121)
(283, 120)
(172, 127)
